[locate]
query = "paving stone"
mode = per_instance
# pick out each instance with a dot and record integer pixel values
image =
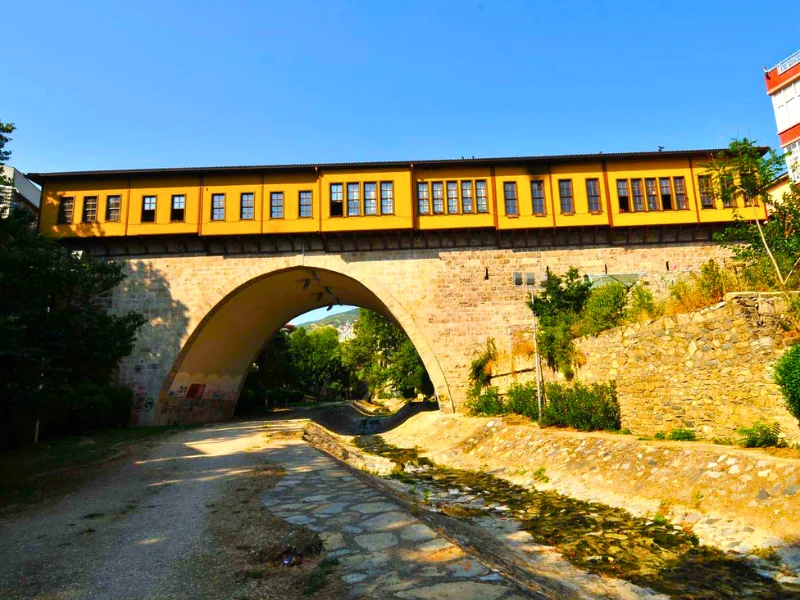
(376, 541)
(434, 545)
(388, 521)
(418, 533)
(354, 577)
(468, 567)
(375, 507)
(462, 590)
(352, 529)
(300, 520)
(332, 508)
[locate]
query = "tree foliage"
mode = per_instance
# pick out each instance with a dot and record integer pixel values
(55, 335)
(317, 357)
(384, 358)
(6, 129)
(769, 250)
(558, 307)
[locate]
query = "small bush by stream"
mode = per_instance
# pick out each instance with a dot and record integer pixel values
(583, 407)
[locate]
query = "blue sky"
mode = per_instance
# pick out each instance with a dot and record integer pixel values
(156, 84)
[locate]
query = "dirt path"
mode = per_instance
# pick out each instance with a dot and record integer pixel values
(126, 534)
(195, 516)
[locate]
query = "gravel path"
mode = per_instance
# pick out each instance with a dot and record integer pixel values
(142, 530)
(129, 533)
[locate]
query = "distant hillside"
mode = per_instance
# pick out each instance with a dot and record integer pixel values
(345, 318)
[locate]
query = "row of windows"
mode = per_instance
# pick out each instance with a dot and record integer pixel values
(437, 198)
(362, 199)
(473, 197)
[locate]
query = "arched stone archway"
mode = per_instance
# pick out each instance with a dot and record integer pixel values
(211, 366)
(208, 314)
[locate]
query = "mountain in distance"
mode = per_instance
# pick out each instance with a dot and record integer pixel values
(345, 319)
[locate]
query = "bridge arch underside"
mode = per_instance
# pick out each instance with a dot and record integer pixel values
(206, 379)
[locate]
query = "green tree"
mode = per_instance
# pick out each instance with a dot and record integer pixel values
(604, 309)
(316, 355)
(382, 356)
(742, 177)
(55, 335)
(558, 307)
(6, 129)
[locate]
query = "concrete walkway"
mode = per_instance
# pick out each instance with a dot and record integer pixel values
(384, 551)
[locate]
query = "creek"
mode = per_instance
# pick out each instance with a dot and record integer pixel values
(597, 538)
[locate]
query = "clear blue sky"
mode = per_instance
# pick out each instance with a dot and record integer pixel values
(155, 84)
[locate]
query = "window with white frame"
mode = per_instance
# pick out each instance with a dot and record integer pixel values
(370, 198)
(423, 200)
(793, 160)
(305, 205)
(787, 106)
(387, 198)
(276, 205)
(466, 197)
(217, 207)
(353, 199)
(452, 197)
(438, 197)
(482, 195)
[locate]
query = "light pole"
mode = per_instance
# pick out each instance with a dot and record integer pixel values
(530, 282)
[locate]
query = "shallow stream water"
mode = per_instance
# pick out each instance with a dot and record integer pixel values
(594, 537)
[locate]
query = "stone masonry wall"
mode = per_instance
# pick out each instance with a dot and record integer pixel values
(709, 370)
(449, 301)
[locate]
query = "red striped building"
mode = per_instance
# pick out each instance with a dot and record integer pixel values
(783, 86)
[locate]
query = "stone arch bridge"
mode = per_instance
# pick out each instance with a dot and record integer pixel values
(211, 310)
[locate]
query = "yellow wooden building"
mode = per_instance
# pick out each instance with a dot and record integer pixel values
(613, 191)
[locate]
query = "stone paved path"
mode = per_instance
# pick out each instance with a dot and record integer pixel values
(384, 551)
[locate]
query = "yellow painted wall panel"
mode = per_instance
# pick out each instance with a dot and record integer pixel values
(79, 190)
(291, 185)
(403, 217)
(163, 189)
(232, 186)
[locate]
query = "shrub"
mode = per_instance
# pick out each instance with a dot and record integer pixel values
(121, 399)
(642, 305)
(604, 309)
(480, 369)
(700, 290)
(485, 401)
(521, 399)
(90, 408)
(659, 435)
(787, 376)
(761, 435)
(586, 408)
(682, 435)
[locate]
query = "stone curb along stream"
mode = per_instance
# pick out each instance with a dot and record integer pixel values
(501, 546)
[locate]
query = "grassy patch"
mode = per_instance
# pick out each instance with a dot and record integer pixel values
(319, 576)
(29, 472)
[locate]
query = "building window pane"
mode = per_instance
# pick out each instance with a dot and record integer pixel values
(337, 199)
(149, 209)
(89, 209)
(452, 197)
(706, 192)
(680, 193)
(480, 193)
(666, 193)
(178, 210)
(636, 192)
(423, 200)
(217, 207)
(622, 194)
(387, 198)
(305, 205)
(537, 195)
(113, 206)
(565, 194)
(438, 198)
(593, 195)
(248, 206)
(276, 205)
(466, 197)
(510, 195)
(353, 199)
(65, 207)
(652, 194)
(727, 190)
(370, 199)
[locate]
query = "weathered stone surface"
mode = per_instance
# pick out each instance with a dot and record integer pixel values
(710, 370)
(448, 302)
(454, 591)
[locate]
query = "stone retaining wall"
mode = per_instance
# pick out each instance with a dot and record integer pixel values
(709, 370)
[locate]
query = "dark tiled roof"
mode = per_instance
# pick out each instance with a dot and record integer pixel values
(503, 160)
